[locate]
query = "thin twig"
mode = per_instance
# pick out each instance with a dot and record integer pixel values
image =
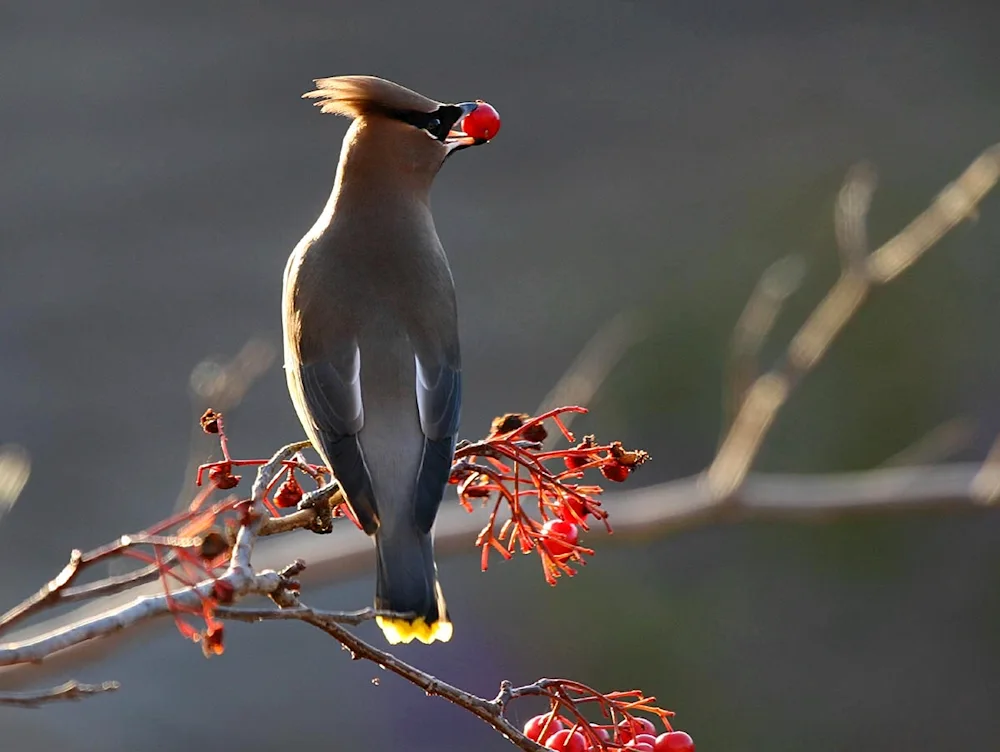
(239, 576)
(986, 484)
(15, 469)
(252, 615)
(851, 213)
(939, 444)
(71, 690)
(769, 392)
(778, 282)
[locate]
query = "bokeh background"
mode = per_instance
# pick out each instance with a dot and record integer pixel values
(157, 166)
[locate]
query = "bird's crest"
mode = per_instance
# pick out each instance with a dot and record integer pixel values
(357, 96)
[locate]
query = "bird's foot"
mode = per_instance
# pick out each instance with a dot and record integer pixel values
(319, 502)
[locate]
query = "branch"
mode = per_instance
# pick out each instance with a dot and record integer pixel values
(71, 690)
(649, 512)
(489, 711)
(860, 273)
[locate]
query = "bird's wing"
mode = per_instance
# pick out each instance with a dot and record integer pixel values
(331, 390)
(439, 403)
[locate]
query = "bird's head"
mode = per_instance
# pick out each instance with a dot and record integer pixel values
(399, 128)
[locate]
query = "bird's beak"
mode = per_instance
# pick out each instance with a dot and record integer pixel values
(457, 138)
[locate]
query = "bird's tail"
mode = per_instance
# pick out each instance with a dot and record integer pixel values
(407, 584)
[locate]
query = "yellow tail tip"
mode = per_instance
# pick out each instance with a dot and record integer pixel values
(401, 630)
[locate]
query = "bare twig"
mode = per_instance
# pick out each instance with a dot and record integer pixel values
(938, 445)
(221, 384)
(296, 613)
(986, 484)
(769, 392)
(59, 590)
(239, 576)
(775, 286)
(851, 214)
(71, 690)
(135, 612)
(15, 468)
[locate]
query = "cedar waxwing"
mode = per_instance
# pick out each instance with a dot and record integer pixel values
(371, 336)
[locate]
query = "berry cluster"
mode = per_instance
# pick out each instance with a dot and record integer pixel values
(566, 728)
(220, 473)
(511, 463)
(634, 734)
(512, 466)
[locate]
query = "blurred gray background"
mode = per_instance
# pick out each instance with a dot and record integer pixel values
(157, 167)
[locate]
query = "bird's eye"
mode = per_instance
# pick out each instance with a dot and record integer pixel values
(432, 125)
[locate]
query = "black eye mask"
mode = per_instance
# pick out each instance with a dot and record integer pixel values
(438, 123)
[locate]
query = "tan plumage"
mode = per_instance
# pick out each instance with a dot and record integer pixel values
(356, 96)
(371, 336)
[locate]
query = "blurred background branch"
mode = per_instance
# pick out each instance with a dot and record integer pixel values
(860, 272)
(15, 468)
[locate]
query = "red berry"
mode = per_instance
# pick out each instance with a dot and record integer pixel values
(579, 512)
(639, 745)
(535, 432)
(602, 734)
(616, 471)
(557, 531)
(646, 742)
(674, 741)
(567, 741)
(575, 461)
(289, 494)
(210, 421)
(483, 122)
(533, 728)
(212, 641)
(475, 491)
(223, 478)
(628, 729)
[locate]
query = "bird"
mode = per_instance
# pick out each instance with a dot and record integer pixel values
(370, 328)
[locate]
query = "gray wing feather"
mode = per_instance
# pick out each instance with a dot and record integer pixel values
(439, 403)
(439, 399)
(332, 393)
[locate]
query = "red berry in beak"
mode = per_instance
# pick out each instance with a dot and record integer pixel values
(482, 123)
